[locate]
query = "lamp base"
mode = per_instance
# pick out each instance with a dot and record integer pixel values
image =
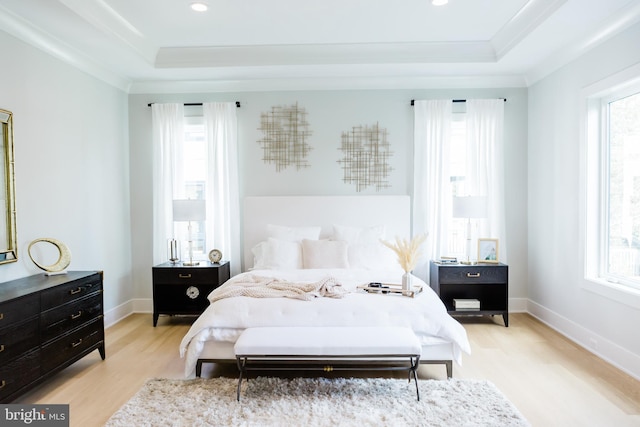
(191, 263)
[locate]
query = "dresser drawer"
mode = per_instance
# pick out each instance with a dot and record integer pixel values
(18, 338)
(69, 347)
(71, 291)
(473, 274)
(18, 373)
(69, 316)
(17, 310)
(187, 276)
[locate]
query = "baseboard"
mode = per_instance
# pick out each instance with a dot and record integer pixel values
(118, 313)
(605, 349)
(518, 305)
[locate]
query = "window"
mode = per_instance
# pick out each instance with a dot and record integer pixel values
(458, 177)
(611, 180)
(190, 183)
(620, 246)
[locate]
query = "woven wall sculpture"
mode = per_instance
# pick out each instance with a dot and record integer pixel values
(286, 133)
(366, 155)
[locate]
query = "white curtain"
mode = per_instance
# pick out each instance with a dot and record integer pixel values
(222, 192)
(485, 162)
(431, 186)
(168, 134)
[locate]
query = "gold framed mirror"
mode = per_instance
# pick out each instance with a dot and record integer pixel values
(8, 239)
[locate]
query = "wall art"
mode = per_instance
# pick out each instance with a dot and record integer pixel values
(366, 153)
(286, 133)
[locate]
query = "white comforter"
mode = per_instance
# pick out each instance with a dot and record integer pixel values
(225, 319)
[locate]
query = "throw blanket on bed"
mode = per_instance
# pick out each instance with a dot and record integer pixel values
(270, 287)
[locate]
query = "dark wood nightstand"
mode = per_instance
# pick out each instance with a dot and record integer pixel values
(179, 289)
(488, 283)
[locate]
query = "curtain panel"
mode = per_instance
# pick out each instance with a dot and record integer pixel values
(168, 134)
(222, 192)
(431, 186)
(485, 162)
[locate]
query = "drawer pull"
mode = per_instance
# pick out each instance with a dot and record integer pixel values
(1, 348)
(75, 316)
(184, 276)
(1, 316)
(75, 291)
(2, 384)
(473, 274)
(75, 344)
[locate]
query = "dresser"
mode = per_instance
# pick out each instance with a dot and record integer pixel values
(183, 290)
(46, 324)
(487, 283)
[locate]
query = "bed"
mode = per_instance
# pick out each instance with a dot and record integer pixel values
(301, 241)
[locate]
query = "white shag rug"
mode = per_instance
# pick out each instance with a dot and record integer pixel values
(267, 401)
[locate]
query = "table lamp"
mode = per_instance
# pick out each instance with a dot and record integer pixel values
(189, 210)
(469, 207)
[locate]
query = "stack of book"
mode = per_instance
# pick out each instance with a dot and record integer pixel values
(447, 260)
(466, 304)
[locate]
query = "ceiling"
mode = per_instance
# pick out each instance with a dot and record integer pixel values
(144, 46)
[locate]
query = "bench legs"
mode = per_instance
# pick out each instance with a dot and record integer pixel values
(414, 371)
(242, 361)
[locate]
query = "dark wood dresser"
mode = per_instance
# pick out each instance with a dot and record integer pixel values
(46, 324)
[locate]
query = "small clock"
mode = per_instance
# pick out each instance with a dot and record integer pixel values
(215, 256)
(193, 292)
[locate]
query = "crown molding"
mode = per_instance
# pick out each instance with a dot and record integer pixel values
(622, 20)
(530, 17)
(39, 39)
(106, 19)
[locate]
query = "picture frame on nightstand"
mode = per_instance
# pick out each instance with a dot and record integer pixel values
(488, 251)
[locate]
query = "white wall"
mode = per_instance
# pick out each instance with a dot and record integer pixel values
(556, 272)
(329, 113)
(71, 166)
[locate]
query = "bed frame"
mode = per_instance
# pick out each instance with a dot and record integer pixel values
(394, 212)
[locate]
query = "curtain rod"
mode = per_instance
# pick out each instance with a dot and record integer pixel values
(196, 104)
(458, 100)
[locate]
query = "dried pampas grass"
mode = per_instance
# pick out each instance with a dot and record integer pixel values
(408, 251)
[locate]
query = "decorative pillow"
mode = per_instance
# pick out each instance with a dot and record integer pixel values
(365, 249)
(358, 235)
(275, 254)
(324, 254)
(293, 234)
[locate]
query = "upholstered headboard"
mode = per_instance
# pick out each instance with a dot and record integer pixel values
(394, 212)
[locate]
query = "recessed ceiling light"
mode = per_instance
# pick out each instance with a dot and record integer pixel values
(439, 2)
(199, 7)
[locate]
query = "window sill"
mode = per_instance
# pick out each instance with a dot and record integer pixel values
(613, 291)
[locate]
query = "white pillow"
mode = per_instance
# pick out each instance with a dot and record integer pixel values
(293, 234)
(274, 254)
(365, 249)
(358, 235)
(324, 254)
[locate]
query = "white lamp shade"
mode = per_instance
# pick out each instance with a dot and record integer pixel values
(189, 210)
(470, 207)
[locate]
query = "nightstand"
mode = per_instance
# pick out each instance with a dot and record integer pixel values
(179, 289)
(487, 283)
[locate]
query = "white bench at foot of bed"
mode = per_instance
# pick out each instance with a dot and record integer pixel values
(328, 348)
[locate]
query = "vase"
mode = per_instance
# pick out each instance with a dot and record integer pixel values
(407, 279)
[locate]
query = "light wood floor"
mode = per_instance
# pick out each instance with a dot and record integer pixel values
(552, 381)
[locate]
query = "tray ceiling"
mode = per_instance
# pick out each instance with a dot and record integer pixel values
(163, 45)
